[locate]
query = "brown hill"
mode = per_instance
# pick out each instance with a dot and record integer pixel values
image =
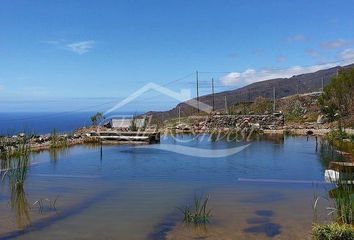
(303, 83)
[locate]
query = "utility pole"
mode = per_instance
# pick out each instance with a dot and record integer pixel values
(249, 95)
(212, 89)
(197, 78)
(297, 87)
(322, 84)
(179, 114)
(273, 99)
(226, 110)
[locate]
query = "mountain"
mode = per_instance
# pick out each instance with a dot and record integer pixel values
(303, 83)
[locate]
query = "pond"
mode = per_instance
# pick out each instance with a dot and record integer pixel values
(265, 191)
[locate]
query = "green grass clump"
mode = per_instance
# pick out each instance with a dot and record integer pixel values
(344, 203)
(16, 172)
(17, 166)
(57, 141)
(333, 231)
(198, 215)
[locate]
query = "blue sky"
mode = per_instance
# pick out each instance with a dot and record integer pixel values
(71, 55)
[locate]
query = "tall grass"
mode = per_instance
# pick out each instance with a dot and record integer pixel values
(16, 173)
(17, 165)
(343, 199)
(199, 214)
(41, 204)
(56, 141)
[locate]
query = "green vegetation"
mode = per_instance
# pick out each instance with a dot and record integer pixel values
(343, 200)
(41, 204)
(16, 168)
(261, 105)
(198, 215)
(337, 101)
(56, 141)
(341, 140)
(97, 118)
(16, 172)
(333, 231)
(342, 210)
(133, 127)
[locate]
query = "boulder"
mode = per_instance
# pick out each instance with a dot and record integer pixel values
(321, 119)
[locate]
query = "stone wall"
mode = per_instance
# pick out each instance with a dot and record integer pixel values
(275, 121)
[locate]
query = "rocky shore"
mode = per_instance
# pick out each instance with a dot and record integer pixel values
(245, 124)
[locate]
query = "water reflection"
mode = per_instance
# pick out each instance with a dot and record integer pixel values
(56, 153)
(273, 138)
(328, 154)
(20, 206)
(15, 170)
(145, 186)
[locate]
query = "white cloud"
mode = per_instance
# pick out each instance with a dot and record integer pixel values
(297, 38)
(347, 54)
(338, 43)
(80, 47)
(251, 75)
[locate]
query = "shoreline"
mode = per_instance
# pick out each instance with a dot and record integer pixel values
(82, 137)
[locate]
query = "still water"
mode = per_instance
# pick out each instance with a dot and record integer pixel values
(263, 192)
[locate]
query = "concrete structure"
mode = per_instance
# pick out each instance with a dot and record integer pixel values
(126, 123)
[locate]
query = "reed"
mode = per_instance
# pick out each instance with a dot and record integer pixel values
(17, 165)
(199, 214)
(56, 141)
(41, 204)
(343, 201)
(16, 173)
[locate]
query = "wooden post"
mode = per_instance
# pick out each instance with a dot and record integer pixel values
(226, 109)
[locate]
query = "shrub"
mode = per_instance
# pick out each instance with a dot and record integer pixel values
(336, 101)
(332, 231)
(198, 215)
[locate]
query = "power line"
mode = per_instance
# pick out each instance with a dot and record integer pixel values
(168, 83)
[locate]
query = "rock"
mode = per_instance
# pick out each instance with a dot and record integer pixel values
(182, 126)
(321, 119)
(256, 126)
(232, 121)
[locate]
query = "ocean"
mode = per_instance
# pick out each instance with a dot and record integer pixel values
(45, 122)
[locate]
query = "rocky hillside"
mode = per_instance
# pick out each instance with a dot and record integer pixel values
(304, 83)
